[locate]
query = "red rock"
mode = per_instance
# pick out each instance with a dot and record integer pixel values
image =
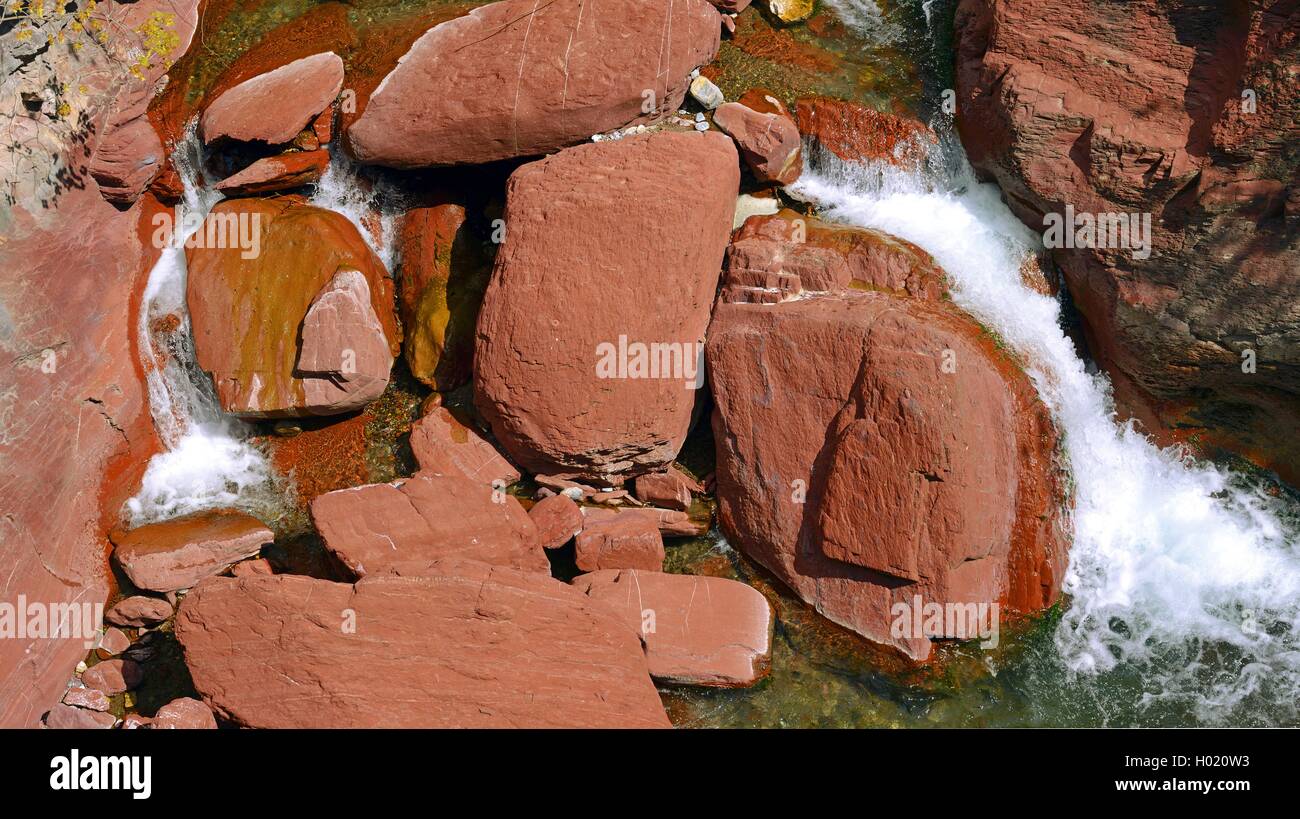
(516, 78)
(138, 612)
(731, 6)
(456, 644)
(443, 444)
(558, 520)
(113, 676)
(89, 698)
(604, 213)
(900, 478)
(768, 142)
(427, 517)
(623, 541)
(113, 642)
(1142, 111)
(65, 716)
(789, 253)
(248, 313)
(127, 160)
(344, 358)
(856, 133)
(176, 554)
(444, 272)
(696, 630)
(670, 522)
(273, 107)
(246, 568)
(277, 173)
(667, 489)
(184, 713)
(135, 721)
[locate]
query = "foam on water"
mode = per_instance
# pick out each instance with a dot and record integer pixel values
(206, 460)
(369, 205)
(1180, 572)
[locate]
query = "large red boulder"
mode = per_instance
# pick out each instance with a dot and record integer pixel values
(456, 644)
(521, 78)
(299, 320)
(590, 331)
(1187, 114)
(921, 462)
(274, 107)
(176, 554)
(768, 140)
(697, 630)
(428, 517)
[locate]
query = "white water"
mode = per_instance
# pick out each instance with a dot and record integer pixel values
(1177, 573)
(370, 206)
(206, 460)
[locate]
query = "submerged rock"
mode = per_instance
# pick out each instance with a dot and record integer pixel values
(178, 553)
(612, 253)
(274, 107)
(453, 644)
(428, 517)
(696, 630)
(856, 133)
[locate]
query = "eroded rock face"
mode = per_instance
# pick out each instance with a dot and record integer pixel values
(429, 517)
(176, 554)
(697, 630)
(275, 106)
(862, 470)
(298, 284)
(1145, 110)
(518, 78)
(638, 227)
(494, 648)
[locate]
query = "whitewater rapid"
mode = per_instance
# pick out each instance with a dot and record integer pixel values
(206, 461)
(1179, 572)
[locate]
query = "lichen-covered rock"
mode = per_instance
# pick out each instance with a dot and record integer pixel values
(250, 303)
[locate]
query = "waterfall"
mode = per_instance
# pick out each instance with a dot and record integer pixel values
(1181, 572)
(206, 460)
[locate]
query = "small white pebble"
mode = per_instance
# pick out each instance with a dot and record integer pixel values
(701, 126)
(695, 73)
(699, 117)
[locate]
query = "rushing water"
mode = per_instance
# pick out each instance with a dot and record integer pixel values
(206, 460)
(1183, 591)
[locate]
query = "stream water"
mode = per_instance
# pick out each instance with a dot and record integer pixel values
(1182, 598)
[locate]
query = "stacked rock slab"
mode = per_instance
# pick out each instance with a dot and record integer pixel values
(874, 447)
